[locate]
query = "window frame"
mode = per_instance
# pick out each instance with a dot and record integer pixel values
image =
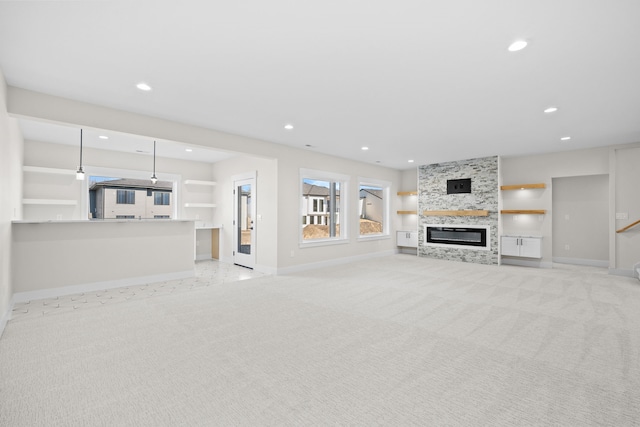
(125, 193)
(343, 207)
(386, 199)
(163, 195)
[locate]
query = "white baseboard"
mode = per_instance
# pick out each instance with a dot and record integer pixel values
(98, 286)
(526, 263)
(333, 262)
(621, 272)
(5, 318)
(581, 261)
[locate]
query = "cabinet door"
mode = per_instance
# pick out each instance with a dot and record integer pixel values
(401, 238)
(509, 246)
(407, 238)
(413, 239)
(530, 247)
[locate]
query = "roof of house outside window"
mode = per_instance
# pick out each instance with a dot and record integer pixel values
(364, 192)
(135, 184)
(316, 190)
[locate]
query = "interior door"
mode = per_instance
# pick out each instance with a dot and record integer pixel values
(244, 235)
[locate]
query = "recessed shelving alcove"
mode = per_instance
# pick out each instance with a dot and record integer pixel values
(534, 186)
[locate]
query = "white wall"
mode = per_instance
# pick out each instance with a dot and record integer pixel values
(59, 156)
(10, 194)
(84, 253)
(266, 223)
(282, 236)
(542, 169)
(619, 163)
(581, 220)
(627, 201)
(290, 254)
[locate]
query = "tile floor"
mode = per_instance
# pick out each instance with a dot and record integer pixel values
(207, 273)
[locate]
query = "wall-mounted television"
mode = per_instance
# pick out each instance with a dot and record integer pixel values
(457, 186)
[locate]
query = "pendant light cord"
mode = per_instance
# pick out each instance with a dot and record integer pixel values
(80, 149)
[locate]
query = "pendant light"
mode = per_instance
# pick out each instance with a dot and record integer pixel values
(80, 171)
(154, 178)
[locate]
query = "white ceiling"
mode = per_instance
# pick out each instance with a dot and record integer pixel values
(127, 143)
(425, 80)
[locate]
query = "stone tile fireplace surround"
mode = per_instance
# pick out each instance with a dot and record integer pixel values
(478, 208)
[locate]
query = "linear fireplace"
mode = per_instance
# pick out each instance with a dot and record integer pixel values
(458, 236)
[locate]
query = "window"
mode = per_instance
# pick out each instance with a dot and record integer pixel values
(322, 205)
(126, 197)
(161, 198)
(113, 192)
(373, 207)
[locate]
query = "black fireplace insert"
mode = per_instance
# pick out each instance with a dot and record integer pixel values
(461, 236)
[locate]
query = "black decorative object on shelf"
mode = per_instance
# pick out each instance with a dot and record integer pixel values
(457, 186)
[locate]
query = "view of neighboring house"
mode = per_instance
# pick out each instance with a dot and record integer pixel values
(317, 209)
(371, 206)
(316, 204)
(130, 198)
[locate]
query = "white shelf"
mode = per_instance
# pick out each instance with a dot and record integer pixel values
(49, 202)
(199, 205)
(51, 171)
(196, 182)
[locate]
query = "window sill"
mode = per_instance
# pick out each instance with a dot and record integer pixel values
(322, 242)
(373, 237)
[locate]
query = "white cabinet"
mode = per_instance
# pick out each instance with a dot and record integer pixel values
(407, 239)
(521, 246)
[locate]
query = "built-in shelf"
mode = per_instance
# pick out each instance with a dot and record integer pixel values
(49, 202)
(199, 205)
(523, 186)
(407, 193)
(524, 211)
(407, 212)
(197, 182)
(457, 213)
(52, 171)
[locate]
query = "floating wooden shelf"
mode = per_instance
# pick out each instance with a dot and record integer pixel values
(522, 186)
(407, 193)
(457, 213)
(524, 211)
(407, 212)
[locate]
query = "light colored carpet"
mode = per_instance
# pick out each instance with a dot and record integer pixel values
(390, 341)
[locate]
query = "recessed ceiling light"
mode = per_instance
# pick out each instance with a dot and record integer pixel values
(143, 86)
(551, 110)
(365, 148)
(188, 150)
(103, 137)
(517, 45)
(410, 161)
(565, 138)
(288, 126)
